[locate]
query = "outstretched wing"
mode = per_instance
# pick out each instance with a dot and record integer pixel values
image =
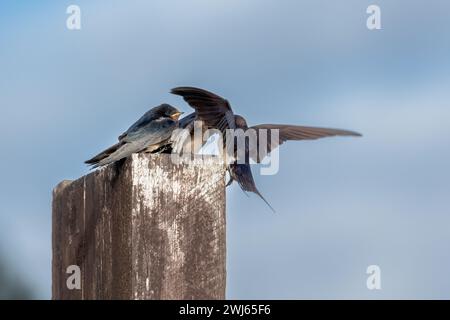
(291, 132)
(212, 109)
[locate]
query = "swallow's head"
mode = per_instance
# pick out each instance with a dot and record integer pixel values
(176, 115)
(240, 122)
(167, 111)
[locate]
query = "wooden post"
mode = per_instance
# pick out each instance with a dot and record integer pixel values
(143, 229)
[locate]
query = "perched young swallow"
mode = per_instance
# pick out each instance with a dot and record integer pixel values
(149, 134)
(216, 113)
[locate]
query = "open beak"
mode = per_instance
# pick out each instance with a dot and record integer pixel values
(176, 115)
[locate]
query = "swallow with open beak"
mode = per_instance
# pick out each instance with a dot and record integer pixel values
(150, 133)
(216, 113)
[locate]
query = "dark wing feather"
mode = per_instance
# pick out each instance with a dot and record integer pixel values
(212, 109)
(104, 154)
(291, 132)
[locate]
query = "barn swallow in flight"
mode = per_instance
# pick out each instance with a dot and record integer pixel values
(150, 133)
(216, 113)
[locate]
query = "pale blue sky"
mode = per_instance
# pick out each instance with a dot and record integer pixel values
(342, 204)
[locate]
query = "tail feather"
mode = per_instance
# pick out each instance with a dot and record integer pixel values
(242, 173)
(264, 199)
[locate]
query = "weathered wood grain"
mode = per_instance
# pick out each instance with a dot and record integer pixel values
(145, 228)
